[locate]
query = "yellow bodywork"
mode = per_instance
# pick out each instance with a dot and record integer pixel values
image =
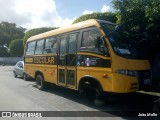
(117, 83)
(49, 71)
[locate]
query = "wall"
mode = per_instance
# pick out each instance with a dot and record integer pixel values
(10, 60)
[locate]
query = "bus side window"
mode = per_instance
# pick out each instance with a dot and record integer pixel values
(62, 50)
(72, 43)
(89, 38)
(51, 45)
(92, 42)
(39, 47)
(30, 48)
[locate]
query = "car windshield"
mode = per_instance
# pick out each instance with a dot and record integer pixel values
(114, 33)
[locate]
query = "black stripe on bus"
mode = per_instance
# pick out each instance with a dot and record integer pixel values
(92, 61)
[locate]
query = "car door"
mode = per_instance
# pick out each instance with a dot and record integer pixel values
(21, 69)
(17, 68)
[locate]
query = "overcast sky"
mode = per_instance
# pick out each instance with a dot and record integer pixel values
(49, 13)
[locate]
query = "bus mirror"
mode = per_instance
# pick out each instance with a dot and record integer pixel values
(100, 28)
(102, 46)
(97, 42)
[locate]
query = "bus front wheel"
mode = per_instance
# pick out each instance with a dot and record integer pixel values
(40, 82)
(92, 88)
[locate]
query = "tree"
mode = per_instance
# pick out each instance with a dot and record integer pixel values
(10, 31)
(108, 16)
(35, 31)
(140, 19)
(4, 51)
(16, 48)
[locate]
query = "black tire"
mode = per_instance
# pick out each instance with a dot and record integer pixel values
(98, 97)
(25, 77)
(92, 90)
(15, 75)
(40, 82)
(98, 93)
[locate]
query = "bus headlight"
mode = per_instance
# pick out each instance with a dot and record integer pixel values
(127, 72)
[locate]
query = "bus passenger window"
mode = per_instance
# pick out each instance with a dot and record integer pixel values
(30, 48)
(72, 43)
(90, 41)
(39, 47)
(62, 51)
(51, 45)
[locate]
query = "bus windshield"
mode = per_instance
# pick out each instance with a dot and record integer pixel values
(120, 47)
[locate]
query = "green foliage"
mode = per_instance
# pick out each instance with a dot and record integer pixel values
(4, 52)
(16, 48)
(10, 31)
(139, 17)
(108, 16)
(35, 31)
(131, 13)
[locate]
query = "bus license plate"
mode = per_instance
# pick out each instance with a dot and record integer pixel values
(147, 81)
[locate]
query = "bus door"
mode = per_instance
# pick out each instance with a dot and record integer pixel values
(67, 61)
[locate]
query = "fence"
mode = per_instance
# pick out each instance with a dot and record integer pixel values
(10, 60)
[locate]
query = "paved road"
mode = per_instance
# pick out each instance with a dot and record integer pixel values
(19, 95)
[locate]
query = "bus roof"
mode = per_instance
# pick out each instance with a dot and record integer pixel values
(84, 24)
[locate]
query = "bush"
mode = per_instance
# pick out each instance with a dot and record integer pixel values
(108, 16)
(16, 48)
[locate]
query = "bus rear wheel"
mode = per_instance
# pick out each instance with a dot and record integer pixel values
(40, 82)
(25, 77)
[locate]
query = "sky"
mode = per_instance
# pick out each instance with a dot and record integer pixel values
(49, 13)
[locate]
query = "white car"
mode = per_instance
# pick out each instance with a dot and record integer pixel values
(19, 69)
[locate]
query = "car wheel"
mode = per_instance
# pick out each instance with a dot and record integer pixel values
(40, 82)
(15, 75)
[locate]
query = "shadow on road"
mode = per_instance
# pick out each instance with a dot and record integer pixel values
(125, 106)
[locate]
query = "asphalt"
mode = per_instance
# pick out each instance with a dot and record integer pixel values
(61, 103)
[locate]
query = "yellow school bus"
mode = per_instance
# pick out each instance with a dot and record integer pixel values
(88, 54)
